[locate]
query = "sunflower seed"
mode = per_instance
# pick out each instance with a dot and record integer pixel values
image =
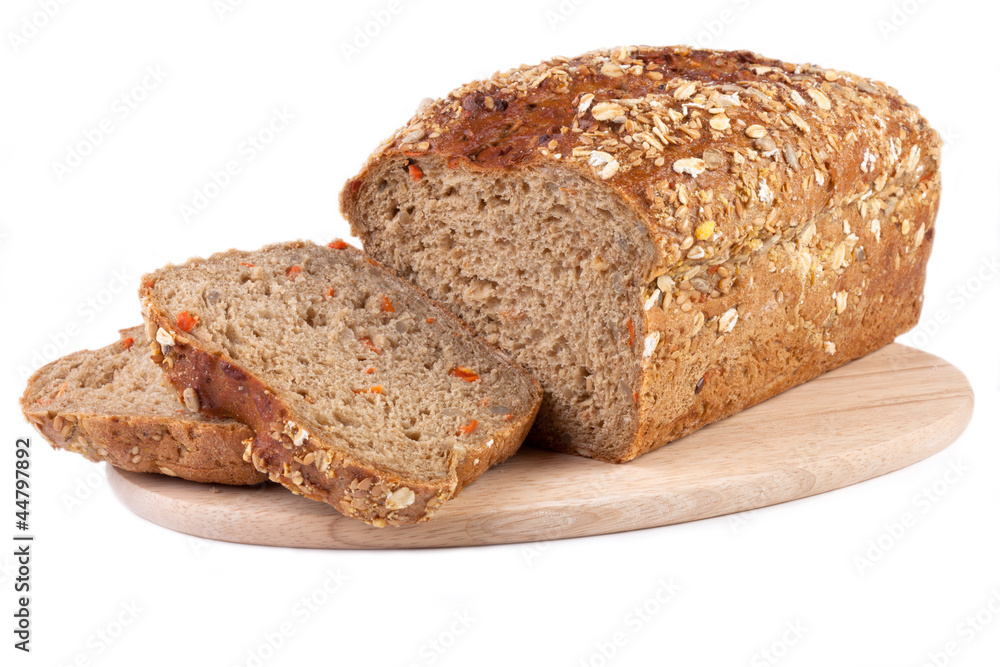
(821, 100)
(701, 285)
(790, 157)
(191, 401)
(685, 91)
(765, 144)
(713, 159)
(728, 320)
(841, 300)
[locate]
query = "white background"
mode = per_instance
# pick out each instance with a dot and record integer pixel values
(65, 237)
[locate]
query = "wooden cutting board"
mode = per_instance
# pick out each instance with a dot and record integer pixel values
(875, 415)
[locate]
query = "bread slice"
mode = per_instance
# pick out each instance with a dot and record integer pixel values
(363, 392)
(111, 405)
(662, 236)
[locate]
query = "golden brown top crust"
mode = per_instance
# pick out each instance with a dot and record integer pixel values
(715, 150)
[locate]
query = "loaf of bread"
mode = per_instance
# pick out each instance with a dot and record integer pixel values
(661, 236)
(110, 405)
(362, 392)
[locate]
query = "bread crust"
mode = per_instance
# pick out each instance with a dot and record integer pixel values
(788, 330)
(198, 450)
(314, 468)
(724, 159)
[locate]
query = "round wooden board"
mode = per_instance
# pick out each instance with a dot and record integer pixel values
(875, 415)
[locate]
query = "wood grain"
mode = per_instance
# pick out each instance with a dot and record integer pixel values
(875, 415)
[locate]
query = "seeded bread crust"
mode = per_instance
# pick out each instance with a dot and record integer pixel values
(788, 210)
(186, 445)
(310, 466)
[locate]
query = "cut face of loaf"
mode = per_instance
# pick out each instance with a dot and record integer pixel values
(110, 405)
(661, 236)
(363, 393)
(539, 265)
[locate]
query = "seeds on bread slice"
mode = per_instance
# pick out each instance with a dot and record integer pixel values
(362, 391)
(110, 405)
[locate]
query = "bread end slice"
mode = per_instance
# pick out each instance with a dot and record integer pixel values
(109, 405)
